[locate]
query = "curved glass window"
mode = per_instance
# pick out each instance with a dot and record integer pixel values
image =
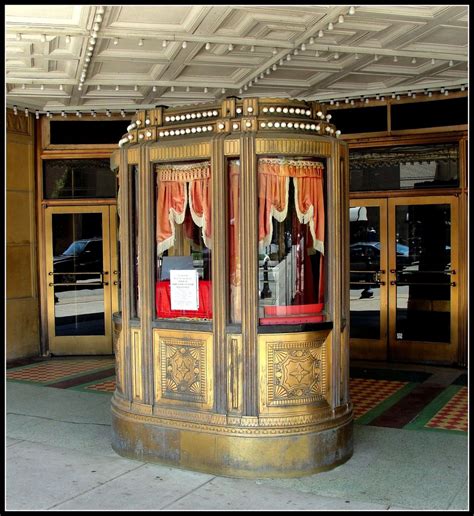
(291, 234)
(183, 241)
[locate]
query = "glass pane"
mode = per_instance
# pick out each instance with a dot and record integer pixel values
(291, 229)
(423, 277)
(234, 244)
(78, 179)
(184, 240)
(77, 267)
(364, 263)
(399, 168)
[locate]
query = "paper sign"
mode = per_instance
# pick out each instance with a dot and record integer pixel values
(184, 286)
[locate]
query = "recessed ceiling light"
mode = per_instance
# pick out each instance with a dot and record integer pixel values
(184, 44)
(140, 42)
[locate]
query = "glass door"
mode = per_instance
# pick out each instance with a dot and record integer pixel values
(423, 281)
(81, 292)
(403, 279)
(368, 285)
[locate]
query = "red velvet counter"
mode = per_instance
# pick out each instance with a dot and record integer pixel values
(296, 314)
(163, 302)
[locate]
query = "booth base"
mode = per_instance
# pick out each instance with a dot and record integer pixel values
(230, 451)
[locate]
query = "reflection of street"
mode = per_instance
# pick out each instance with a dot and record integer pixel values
(79, 302)
(373, 303)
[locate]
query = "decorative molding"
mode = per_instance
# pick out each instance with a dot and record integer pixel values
(133, 155)
(183, 367)
(293, 371)
(234, 373)
(251, 426)
(189, 151)
(232, 147)
(316, 146)
(137, 382)
(119, 359)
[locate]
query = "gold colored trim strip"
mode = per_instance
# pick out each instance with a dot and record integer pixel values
(300, 146)
(232, 147)
(137, 365)
(189, 151)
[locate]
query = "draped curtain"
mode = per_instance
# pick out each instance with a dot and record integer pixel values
(176, 184)
(273, 191)
(273, 182)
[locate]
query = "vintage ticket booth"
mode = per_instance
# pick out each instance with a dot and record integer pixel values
(232, 340)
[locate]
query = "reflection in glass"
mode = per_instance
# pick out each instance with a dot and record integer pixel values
(399, 168)
(364, 266)
(291, 230)
(78, 179)
(423, 272)
(78, 266)
(184, 241)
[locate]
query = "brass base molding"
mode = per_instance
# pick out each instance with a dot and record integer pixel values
(251, 452)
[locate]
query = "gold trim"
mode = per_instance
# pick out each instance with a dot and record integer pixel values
(133, 155)
(293, 372)
(234, 373)
(247, 426)
(183, 151)
(232, 147)
(137, 377)
(183, 368)
(291, 145)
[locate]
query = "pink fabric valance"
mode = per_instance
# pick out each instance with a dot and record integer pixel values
(176, 184)
(273, 185)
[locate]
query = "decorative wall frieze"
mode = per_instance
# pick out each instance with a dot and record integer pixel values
(183, 368)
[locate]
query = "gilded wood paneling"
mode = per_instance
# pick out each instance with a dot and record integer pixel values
(137, 375)
(293, 371)
(183, 366)
(310, 147)
(234, 374)
(232, 147)
(184, 151)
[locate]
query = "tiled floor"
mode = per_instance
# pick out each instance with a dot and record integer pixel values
(388, 396)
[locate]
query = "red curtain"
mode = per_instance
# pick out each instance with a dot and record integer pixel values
(174, 181)
(273, 181)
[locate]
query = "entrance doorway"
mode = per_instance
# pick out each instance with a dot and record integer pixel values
(403, 283)
(82, 278)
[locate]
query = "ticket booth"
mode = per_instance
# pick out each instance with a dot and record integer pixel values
(232, 343)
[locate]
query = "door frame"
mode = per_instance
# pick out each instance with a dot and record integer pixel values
(376, 349)
(405, 350)
(83, 344)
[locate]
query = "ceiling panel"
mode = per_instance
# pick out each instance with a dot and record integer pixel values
(58, 55)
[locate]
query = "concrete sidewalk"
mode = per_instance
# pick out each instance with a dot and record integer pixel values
(59, 458)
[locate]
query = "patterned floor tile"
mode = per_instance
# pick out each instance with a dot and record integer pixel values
(104, 386)
(367, 393)
(453, 416)
(49, 371)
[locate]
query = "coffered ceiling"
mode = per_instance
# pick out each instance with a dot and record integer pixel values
(83, 57)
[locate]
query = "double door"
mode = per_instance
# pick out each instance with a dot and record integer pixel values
(403, 279)
(82, 278)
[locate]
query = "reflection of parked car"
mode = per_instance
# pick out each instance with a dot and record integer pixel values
(84, 256)
(365, 256)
